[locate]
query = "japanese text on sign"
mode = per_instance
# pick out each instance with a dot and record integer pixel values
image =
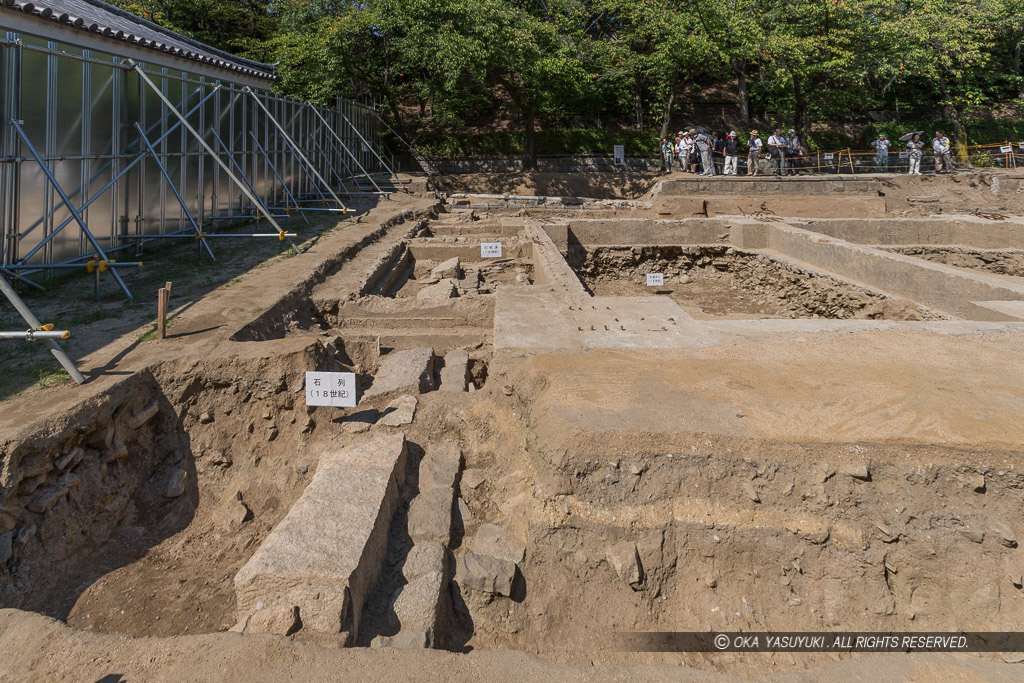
(619, 152)
(1006, 149)
(828, 156)
(336, 389)
(490, 250)
(655, 279)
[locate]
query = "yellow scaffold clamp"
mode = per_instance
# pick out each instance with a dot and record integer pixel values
(100, 265)
(200, 235)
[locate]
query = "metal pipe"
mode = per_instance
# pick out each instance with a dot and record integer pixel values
(33, 322)
(329, 164)
(370, 147)
(113, 181)
(167, 177)
(36, 335)
(206, 146)
(295, 147)
(278, 176)
(71, 207)
(347, 150)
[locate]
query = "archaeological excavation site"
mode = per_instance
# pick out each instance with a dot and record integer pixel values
(809, 423)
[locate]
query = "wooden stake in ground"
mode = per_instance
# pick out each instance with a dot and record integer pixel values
(163, 302)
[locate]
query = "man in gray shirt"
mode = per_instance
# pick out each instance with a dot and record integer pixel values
(881, 146)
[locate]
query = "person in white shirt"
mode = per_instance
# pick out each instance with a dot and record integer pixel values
(777, 151)
(754, 154)
(943, 157)
(685, 147)
(914, 153)
(881, 146)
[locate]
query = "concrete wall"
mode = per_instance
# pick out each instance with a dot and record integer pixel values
(968, 231)
(931, 284)
(688, 185)
(637, 231)
(550, 269)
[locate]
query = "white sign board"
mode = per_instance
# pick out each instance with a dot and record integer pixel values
(904, 155)
(490, 250)
(336, 389)
(1006, 149)
(655, 279)
(828, 156)
(1021, 145)
(620, 155)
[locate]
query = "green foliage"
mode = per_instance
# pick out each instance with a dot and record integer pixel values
(981, 160)
(549, 142)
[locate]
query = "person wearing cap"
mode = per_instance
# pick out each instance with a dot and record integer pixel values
(792, 151)
(732, 153)
(914, 153)
(881, 146)
(666, 154)
(703, 142)
(754, 145)
(683, 149)
(943, 157)
(777, 151)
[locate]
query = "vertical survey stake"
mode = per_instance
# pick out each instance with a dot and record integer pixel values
(490, 250)
(655, 279)
(334, 389)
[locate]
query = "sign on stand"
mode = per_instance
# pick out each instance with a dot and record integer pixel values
(619, 152)
(1021, 145)
(655, 279)
(828, 156)
(490, 250)
(334, 389)
(1006, 149)
(904, 155)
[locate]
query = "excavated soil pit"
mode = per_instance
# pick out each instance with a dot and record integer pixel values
(721, 281)
(481, 277)
(999, 261)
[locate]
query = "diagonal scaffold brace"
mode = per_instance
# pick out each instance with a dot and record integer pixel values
(281, 233)
(287, 191)
(298, 152)
(167, 177)
(366, 142)
(347, 151)
(38, 332)
(69, 204)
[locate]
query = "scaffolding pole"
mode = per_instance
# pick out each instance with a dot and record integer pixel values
(71, 207)
(295, 148)
(224, 167)
(167, 177)
(110, 183)
(35, 328)
(334, 171)
(277, 175)
(347, 151)
(370, 147)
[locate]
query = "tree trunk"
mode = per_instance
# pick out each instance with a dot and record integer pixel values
(739, 67)
(799, 107)
(666, 120)
(529, 143)
(960, 136)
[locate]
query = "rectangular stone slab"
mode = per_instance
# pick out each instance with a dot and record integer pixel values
(326, 554)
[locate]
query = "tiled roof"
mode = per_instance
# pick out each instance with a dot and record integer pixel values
(98, 17)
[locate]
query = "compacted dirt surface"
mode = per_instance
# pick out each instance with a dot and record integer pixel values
(811, 452)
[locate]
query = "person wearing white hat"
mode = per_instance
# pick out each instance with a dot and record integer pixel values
(914, 147)
(754, 145)
(732, 153)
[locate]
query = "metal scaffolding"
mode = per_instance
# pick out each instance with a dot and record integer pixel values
(116, 132)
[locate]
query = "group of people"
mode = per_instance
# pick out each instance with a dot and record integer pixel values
(703, 152)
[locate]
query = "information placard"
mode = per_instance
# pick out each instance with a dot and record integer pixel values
(828, 156)
(655, 279)
(619, 152)
(904, 155)
(490, 250)
(336, 389)
(1006, 149)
